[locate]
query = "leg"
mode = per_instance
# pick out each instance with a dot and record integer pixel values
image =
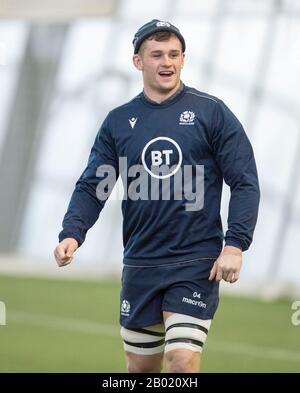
(182, 361)
(144, 348)
(143, 363)
(185, 337)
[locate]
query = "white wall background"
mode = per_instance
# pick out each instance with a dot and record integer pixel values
(245, 52)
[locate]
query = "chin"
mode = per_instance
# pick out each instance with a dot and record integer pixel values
(166, 87)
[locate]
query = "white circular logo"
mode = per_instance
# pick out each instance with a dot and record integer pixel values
(125, 307)
(162, 138)
(162, 24)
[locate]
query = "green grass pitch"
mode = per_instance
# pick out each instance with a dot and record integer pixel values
(72, 326)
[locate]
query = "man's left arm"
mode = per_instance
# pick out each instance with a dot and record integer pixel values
(234, 155)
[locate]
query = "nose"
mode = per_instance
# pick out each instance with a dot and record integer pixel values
(166, 61)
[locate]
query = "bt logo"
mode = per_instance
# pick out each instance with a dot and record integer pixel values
(156, 157)
(162, 151)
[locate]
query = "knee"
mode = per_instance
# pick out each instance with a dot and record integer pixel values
(178, 362)
(143, 367)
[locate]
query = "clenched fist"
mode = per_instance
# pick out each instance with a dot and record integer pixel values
(63, 253)
(227, 266)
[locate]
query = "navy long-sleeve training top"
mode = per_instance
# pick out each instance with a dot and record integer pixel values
(172, 158)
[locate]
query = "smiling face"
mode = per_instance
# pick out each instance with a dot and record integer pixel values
(161, 63)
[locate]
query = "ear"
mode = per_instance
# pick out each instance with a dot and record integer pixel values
(183, 58)
(137, 61)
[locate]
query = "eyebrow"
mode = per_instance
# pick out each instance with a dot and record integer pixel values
(160, 51)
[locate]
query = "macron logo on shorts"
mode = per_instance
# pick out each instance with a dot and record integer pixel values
(198, 303)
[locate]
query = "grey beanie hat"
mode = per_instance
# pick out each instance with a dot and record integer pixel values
(152, 27)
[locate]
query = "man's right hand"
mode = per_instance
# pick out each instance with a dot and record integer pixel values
(63, 253)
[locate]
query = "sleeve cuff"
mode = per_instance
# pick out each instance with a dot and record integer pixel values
(64, 235)
(234, 243)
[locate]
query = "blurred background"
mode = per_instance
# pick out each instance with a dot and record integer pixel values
(63, 65)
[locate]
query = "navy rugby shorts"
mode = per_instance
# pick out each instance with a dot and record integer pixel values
(180, 287)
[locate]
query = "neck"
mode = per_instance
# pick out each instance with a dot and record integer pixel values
(160, 96)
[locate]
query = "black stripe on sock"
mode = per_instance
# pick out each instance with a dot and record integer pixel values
(185, 340)
(190, 325)
(146, 331)
(146, 345)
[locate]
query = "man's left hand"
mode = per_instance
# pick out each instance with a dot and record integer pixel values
(228, 265)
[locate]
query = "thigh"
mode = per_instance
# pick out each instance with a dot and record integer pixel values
(149, 340)
(185, 332)
(184, 341)
(144, 348)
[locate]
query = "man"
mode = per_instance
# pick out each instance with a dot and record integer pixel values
(173, 146)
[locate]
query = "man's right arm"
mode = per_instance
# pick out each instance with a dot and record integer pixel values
(85, 206)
